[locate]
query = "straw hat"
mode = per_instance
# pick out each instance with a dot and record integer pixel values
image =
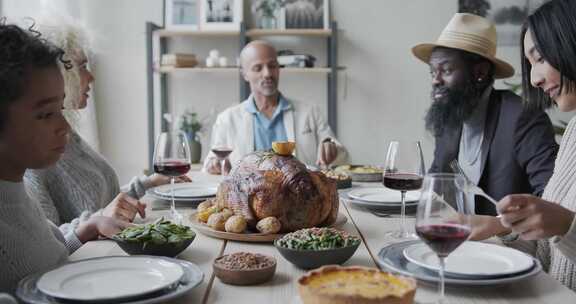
(470, 33)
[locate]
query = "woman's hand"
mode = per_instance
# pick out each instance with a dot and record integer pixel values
(124, 208)
(159, 179)
(485, 227)
(534, 218)
(98, 226)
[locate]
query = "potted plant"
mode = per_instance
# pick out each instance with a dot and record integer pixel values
(267, 10)
(191, 125)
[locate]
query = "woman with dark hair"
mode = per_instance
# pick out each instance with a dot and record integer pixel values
(547, 225)
(33, 135)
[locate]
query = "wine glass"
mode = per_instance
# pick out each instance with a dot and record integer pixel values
(222, 154)
(443, 217)
(172, 158)
(403, 171)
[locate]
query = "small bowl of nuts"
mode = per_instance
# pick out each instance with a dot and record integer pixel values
(244, 268)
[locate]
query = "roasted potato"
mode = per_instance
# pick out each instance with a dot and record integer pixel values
(203, 216)
(269, 225)
(204, 205)
(235, 224)
(227, 213)
(216, 221)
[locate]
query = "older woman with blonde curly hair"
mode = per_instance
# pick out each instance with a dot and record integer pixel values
(82, 183)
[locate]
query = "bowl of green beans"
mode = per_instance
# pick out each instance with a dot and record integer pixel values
(160, 238)
(314, 247)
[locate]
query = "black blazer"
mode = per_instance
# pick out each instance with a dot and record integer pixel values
(520, 147)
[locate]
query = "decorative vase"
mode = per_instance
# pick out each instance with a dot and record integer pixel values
(195, 148)
(268, 22)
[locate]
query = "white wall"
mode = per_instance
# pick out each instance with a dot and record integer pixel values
(383, 93)
(120, 70)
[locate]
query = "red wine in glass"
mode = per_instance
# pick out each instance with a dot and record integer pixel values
(172, 168)
(172, 158)
(443, 238)
(403, 171)
(443, 217)
(402, 181)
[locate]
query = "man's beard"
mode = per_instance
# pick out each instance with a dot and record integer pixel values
(453, 108)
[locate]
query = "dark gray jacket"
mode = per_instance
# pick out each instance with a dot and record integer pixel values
(520, 147)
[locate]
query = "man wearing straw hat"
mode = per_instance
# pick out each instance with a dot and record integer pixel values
(501, 146)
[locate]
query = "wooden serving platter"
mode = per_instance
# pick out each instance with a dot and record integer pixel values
(247, 236)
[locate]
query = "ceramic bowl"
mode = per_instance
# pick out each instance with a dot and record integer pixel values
(244, 277)
(168, 250)
(309, 259)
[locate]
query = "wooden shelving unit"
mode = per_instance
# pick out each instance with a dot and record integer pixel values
(289, 32)
(237, 69)
(172, 33)
(157, 34)
(197, 70)
(249, 33)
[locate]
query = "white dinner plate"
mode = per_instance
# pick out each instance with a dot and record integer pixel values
(475, 259)
(382, 195)
(379, 206)
(193, 276)
(187, 190)
(391, 257)
(110, 278)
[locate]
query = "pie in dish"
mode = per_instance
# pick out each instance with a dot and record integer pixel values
(359, 285)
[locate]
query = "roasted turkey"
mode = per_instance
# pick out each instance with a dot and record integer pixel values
(265, 184)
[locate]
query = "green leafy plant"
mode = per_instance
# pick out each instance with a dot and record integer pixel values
(268, 7)
(514, 87)
(190, 123)
(560, 129)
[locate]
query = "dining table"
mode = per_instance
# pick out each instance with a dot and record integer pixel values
(283, 287)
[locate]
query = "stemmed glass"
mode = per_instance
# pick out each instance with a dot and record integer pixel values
(403, 171)
(443, 217)
(172, 158)
(222, 154)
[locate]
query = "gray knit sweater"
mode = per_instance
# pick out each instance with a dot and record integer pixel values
(79, 184)
(558, 254)
(28, 242)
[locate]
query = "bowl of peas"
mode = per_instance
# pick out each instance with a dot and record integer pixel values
(314, 247)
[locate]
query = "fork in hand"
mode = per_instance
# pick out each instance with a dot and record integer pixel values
(470, 187)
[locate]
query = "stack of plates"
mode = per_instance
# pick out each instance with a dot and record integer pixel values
(381, 197)
(185, 192)
(473, 263)
(120, 279)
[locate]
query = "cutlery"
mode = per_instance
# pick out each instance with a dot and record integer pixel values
(469, 186)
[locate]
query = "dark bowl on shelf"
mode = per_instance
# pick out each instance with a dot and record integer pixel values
(309, 259)
(168, 249)
(244, 276)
